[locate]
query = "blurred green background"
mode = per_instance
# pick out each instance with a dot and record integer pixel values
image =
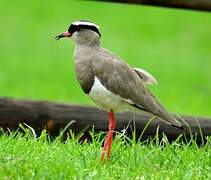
(174, 45)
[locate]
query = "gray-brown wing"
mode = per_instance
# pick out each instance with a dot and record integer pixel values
(122, 80)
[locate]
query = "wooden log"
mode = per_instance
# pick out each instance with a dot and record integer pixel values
(55, 116)
(203, 5)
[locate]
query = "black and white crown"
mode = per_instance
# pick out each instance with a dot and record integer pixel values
(79, 25)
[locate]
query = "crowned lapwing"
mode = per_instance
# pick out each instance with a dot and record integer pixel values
(111, 83)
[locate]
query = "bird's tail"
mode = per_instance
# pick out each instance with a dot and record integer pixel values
(171, 120)
(168, 118)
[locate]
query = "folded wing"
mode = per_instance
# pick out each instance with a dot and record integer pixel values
(122, 80)
(146, 76)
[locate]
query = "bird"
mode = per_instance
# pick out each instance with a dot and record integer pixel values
(109, 81)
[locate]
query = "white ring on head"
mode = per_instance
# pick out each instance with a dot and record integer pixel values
(85, 23)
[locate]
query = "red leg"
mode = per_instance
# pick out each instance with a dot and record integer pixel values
(108, 141)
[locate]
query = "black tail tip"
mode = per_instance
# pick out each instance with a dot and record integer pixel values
(178, 127)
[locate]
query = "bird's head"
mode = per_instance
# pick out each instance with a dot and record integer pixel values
(82, 32)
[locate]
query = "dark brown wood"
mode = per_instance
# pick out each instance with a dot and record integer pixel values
(55, 116)
(203, 5)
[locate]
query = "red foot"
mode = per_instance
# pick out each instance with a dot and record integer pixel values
(108, 141)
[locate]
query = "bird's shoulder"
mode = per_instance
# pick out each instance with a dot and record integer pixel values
(116, 75)
(110, 62)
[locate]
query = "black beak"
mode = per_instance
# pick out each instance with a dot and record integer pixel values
(65, 34)
(59, 36)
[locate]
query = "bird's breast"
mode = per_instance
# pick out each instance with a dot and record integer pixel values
(105, 99)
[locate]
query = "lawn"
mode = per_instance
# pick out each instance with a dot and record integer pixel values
(174, 45)
(26, 157)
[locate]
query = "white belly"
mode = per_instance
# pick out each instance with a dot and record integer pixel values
(105, 99)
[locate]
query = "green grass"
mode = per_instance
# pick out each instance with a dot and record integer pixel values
(27, 157)
(174, 45)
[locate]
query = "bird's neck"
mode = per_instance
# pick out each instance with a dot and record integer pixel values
(91, 43)
(85, 52)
